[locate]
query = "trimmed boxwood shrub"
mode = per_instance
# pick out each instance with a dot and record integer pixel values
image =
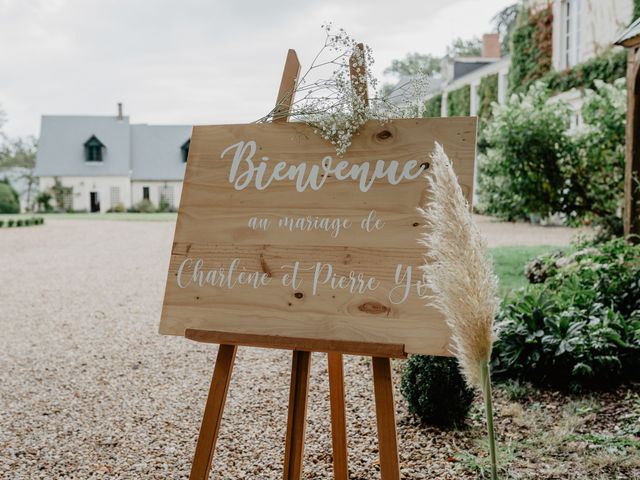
(436, 391)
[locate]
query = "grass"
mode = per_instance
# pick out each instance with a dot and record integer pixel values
(508, 263)
(144, 217)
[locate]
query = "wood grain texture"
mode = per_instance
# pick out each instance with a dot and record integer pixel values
(297, 415)
(212, 417)
(213, 227)
(287, 87)
(338, 417)
(293, 343)
(386, 419)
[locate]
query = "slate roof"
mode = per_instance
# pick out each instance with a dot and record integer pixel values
(61, 146)
(156, 151)
(143, 152)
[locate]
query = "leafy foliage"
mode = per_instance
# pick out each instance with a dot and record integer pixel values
(459, 101)
(606, 67)
(488, 93)
(520, 173)
(595, 173)
(579, 328)
(61, 194)
(533, 167)
(531, 47)
(465, 48)
(433, 106)
(504, 22)
(435, 390)
(8, 198)
(19, 157)
(414, 64)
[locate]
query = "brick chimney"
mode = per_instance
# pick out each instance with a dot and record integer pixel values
(491, 45)
(120, 116)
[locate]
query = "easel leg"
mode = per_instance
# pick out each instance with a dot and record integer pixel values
(338, 422)
(296, 421)
(385, 414)
(213, 413)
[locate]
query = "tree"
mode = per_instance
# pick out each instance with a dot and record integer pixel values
(503, 22)
(8, 198)
(414, 64)
(465, 48)
(19, 155)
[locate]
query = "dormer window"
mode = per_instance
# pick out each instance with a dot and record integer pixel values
(93, 149)
(185, 150)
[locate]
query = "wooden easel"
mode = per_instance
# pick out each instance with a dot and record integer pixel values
(300, 366)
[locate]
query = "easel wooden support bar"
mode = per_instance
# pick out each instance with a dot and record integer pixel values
(213, 413)
(297, 416)
(294, 343)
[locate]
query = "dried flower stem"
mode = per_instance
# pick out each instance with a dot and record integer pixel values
(336, 105)
(460, 275)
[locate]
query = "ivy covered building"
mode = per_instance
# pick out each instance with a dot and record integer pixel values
(565, 43)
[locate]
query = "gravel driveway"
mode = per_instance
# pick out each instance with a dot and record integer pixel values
(88, 389)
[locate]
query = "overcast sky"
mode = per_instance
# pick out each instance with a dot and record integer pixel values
(195, 62)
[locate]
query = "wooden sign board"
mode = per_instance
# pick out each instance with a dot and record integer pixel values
(278, 236)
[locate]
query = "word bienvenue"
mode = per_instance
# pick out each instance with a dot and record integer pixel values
(246, 169)
(192, 272)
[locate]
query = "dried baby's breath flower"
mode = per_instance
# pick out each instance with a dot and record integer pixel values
(332, 104)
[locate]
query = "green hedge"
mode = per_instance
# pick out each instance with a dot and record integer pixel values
(606, 67)
(459, 102)
(531, 48)
(488, 93)
(433, 107)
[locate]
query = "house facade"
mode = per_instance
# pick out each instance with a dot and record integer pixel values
(108, 163)
(581, 31)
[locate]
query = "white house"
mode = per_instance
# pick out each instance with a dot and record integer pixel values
(108, 162)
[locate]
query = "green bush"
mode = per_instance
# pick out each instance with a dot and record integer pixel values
(143, 206)
(488, 93)
(8, 201)
(526, 143)
(27, 222)
(1, 223)
(19, 222)
(11, 222)
(580, 328)
(117, 208)
(459, 102)
(594, 174)
(435, 390)
(607, 67)
(433, 107)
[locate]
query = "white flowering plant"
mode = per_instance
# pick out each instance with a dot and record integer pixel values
(338, 93)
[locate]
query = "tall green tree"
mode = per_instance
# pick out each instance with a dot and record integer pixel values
(465, 48)
(414, 64)
(19, 156)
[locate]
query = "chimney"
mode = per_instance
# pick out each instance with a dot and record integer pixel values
(120, 117)
(490, 45)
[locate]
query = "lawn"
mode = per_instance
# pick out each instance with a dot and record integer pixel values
(508, 263)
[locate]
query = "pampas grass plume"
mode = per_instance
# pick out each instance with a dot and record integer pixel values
(458, 270)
